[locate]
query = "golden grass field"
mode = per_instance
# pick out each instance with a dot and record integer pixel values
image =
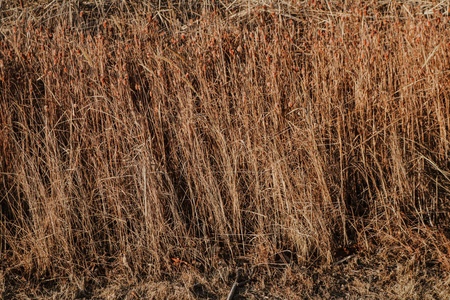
(155, 149)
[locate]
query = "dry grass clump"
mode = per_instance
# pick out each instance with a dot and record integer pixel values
(140, 139)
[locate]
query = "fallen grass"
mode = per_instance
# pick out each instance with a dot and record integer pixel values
(359, 278)
(141, 138)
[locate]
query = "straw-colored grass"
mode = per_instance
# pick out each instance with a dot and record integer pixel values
(141, 138)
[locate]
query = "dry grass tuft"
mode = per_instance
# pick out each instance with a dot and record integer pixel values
(142, 140)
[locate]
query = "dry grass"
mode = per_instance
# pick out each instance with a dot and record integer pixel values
(139, 140)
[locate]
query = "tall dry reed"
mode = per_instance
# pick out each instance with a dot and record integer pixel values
(184, 134)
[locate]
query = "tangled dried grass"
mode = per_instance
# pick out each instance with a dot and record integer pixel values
(188, 135)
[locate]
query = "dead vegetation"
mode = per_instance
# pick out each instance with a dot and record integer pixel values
(141, 140)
